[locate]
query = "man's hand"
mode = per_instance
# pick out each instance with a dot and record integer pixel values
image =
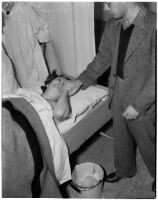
(130, 113)
(73, 86)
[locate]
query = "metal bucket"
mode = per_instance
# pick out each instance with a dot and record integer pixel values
(87, 180)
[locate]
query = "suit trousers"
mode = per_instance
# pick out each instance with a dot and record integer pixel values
(130, 134)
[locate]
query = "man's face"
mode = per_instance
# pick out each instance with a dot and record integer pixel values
(117, 9)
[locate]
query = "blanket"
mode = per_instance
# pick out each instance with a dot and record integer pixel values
(60, 157)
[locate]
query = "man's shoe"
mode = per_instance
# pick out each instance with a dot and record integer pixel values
(113, 178)
(154, 186)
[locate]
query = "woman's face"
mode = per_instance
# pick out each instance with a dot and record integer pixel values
(58, 83)
(55, 88)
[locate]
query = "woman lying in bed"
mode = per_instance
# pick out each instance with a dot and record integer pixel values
(57, 90)
(57, 93)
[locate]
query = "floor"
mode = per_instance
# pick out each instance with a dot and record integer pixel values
(99, 149)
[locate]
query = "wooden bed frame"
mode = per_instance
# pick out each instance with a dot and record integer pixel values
(87, 126)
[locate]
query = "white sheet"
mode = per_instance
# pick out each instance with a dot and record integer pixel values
(81, 104)
(66, 125)
(86, 99)
(57, 143)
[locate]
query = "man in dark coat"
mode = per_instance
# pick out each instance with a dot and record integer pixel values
(128, 46)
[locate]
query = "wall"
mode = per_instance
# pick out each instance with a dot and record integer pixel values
(71, 26)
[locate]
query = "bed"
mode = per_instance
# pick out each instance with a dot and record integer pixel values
(81, 128)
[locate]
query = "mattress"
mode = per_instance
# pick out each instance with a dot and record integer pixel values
(75, 134)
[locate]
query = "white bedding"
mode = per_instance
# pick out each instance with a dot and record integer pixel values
(66, 125)
(82, 103)
(58, 146)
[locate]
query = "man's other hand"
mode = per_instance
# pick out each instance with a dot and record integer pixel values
(130, 113)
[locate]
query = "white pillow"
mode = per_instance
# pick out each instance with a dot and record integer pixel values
(86, 99)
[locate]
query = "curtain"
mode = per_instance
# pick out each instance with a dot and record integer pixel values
(71, 25)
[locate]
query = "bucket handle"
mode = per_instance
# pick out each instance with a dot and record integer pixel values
(78, 190)
(75, 187)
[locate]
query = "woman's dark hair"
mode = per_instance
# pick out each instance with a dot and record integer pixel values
(7, 6)
(49, 78)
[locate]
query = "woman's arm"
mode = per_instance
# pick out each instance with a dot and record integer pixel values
(62, 108)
